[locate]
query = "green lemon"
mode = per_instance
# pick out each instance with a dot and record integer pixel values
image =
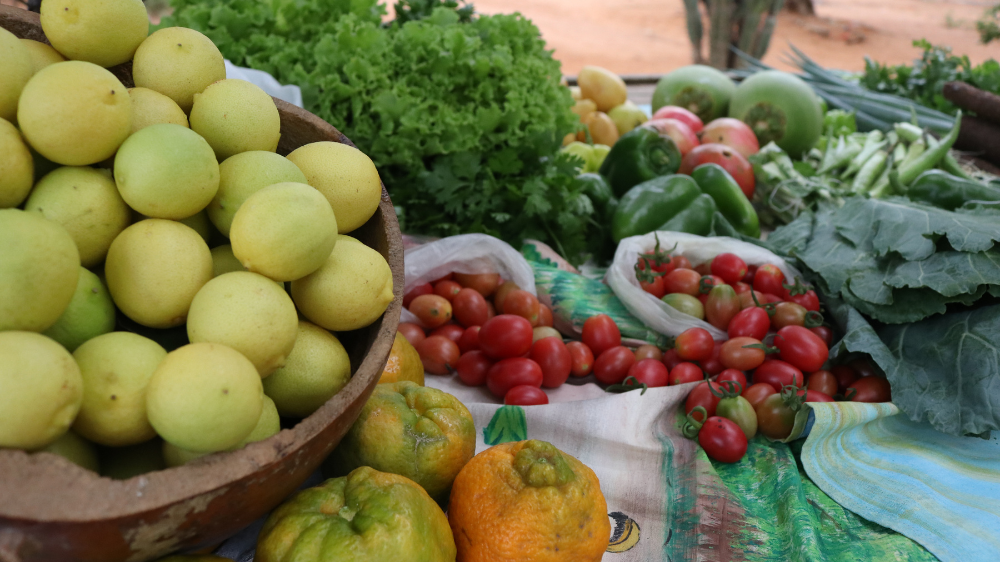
(153, 108)
(244, 174)
(90, 313)
(104, 32)
(122, 463)
(235, 116)
(346, 176)
(16, 69)
(116, 369)
(75, 449)
(16, 167)
(178, 62)
(316, 369)
(41, 54)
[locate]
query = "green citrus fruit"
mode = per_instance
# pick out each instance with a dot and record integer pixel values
(41, 54)
(244, 174)
(75, 449)
(235, 116)
(178, 62)
(16, 69)
(16, 167)
(90, 313)
(152, 108)
(346, 176)
(104, 32)
(316, 369)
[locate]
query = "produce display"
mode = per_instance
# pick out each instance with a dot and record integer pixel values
(131, 313)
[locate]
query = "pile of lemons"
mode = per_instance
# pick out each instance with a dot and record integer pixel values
(165, 208)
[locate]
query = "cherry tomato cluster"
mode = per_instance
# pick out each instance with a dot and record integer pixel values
(514, 353)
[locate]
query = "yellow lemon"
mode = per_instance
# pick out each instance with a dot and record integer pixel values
(204, 397)
(75, 113)
(86, 202)
(152, 108)
(39, 270)
(16, 167)
(90, 313)
(404, 363)
(41, 55)
(154, 269)
(16, 69)
(75, 449)
(40, 390)
(316, 369)
(116, 369)
(346, 176)
(178, 62)
(104, 32)
(350, 291)
(244, 174)
(235, 116)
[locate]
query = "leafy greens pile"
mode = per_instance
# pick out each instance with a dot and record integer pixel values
(929, 278)
(463, 115)
(924, 80)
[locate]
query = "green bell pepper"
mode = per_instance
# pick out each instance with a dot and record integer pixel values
(650, 205)
(596, 188)
(696, 218)
(729, 198)
(944, 190)
(639, 155)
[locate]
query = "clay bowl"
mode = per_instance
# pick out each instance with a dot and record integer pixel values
(53, 510)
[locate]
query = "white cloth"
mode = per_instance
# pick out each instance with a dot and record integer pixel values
(292, 94)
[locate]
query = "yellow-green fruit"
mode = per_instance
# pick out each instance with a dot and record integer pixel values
(89, 314)
(269, 424)
(41, 55)
(346, 176)
(178, 62)
(17, 167)
(199, 223)
(86, 202)
(350, 291)
(104, 32)
(204, 397)
(39, 270)
(317, 368)
(244, 174)
(16, 70)
(43, 166)
(122, 463)
(116, 369)
(75, 113)
(223, 261)
(153, 108)
(175, 456)
(249, 313)
(604, 87)
(236, 116)
(75, 449)
(166, 171)
(154, 269)
(284, 231)
(40, 390)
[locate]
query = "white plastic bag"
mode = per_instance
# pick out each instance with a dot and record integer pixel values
(655, 313)
(465, 253)
(290, 93)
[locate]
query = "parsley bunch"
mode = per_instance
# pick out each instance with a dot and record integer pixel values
(462, 114)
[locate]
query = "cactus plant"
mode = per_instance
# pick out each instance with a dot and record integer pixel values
(745, 24)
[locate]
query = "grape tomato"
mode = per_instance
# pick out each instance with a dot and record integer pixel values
(511, 372)
(650, 372)
(472, 368)
(525, 395)
(600, 333)
(470, 308)
(413, 333)
(582, 358)
(447, 289)
(469, 340)
(505, 336)
(432, 310)
(438, 354)
(730, 267)
(612, 365)
(554, 360)
(722, 440)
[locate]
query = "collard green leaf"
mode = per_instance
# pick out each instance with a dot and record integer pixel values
(948, 273)
(911, 229)
(946, 370)
(909, 305)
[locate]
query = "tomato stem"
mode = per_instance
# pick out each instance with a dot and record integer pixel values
(767, 348)
(770, 308)
(627, 385)
(797, 288)
(813, 319)
(692, 425)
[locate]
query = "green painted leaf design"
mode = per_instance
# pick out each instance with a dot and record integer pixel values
(508, 424)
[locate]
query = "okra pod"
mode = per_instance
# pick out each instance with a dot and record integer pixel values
(930, 158)
(881, 188)
(915, 149)
(899, 152)
(873, 144)
(869, 171)
(908, 132)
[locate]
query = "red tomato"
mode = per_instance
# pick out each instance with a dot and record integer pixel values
(809, 300)
(472, 368)
(750, 322)
(730, 267)
(845, 377)
(722, 440)
(734, 375)
(515, 371)
(708, 282)
(871, 389)
(451, 331)
(722, 306)
(704, 268)
(758, 392)
(447, 289)
(680, 262)
(788, 314)
(600, 332)
(413, 333)
(582, 359)
(432, 310)
(670, 359)
(801, 348)
(526, 395)
(741, 287)
(774, 418)
(491, 309)
(554, 359)
(682, 280)
(682, 135)
(469, 340)
(649, 372)
(822, 381)
(653, 287)
(751, 271)
(694, 344)
(684, 373)
(825, 333)
(448, 277)
(730, 160)
(544, 315)
(484, 283)
(702, 396)
(747, 300)
(505, 336)
(862, 367)
(500, 296)
(736, 355)
(703, 299)
(523, 304)
(679, 113)
(769, 279)
(817, 396)
(438, 354)
(778, 374)
(611, 366)
(732, 133)
(712, 365)
(421, 289)
(648, 352)
(469, 308)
